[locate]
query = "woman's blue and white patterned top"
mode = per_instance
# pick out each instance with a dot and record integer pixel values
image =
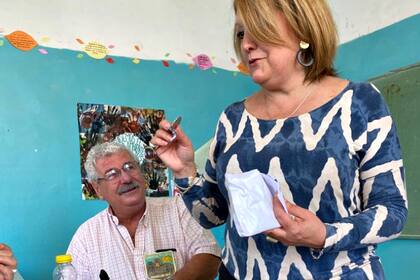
(342, 161)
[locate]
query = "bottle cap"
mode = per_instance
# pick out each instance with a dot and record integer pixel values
(63, 259)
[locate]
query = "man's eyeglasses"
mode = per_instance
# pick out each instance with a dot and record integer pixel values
(112, 175)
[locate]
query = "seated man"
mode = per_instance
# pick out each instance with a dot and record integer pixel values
(7, 262)
(116, 241)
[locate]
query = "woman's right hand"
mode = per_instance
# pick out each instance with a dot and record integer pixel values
(178, 154)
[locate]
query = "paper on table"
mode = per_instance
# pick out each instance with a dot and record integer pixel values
(251, 201)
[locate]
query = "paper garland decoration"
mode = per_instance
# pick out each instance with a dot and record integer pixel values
(25, 42)
(96, 50)
(43, 51)
(21, 40)
(243, 69)
(203, 62)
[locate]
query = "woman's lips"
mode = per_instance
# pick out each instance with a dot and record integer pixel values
(252, 61)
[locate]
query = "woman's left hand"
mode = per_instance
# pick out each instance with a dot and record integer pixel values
(299, 227)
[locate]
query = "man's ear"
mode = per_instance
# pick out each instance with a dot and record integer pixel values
(97, 189)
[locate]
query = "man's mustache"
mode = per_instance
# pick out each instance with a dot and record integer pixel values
(127, 187)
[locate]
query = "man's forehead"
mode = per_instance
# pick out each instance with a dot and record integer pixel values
(113, 160)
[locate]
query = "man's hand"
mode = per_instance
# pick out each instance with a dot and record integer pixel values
(299, 227)
(7, 262)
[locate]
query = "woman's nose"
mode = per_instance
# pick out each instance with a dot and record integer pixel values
(248, 43)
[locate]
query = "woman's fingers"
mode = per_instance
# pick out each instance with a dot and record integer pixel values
(165, 135)
(282, 216)
(162, 137)
(278, 234)
(298, 211)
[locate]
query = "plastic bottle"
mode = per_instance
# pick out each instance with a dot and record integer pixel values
(64, 269)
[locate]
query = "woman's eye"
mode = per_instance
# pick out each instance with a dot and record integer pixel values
(240, 35)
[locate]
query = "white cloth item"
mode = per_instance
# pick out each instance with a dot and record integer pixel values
(251, 201)
(103, 243)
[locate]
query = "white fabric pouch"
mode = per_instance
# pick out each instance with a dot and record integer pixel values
(251, 201)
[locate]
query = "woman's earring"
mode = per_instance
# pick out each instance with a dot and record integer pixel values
(303, 56)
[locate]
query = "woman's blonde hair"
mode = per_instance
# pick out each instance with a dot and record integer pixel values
(310, 20)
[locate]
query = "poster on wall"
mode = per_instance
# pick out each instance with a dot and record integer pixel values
(132, 127)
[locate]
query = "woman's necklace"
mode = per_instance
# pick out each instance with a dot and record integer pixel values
(309, 93)
(300, 104)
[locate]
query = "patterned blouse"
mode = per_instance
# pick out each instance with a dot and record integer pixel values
(342, 161)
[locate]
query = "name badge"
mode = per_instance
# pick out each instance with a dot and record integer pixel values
(160, 265)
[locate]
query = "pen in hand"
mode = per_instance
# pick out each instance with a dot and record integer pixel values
(172, 130)
(173, 127)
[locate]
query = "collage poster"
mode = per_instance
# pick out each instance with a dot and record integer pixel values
(132, 127)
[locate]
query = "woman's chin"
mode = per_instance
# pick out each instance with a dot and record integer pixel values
(259, 79)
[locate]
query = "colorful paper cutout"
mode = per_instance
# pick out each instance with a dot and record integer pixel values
(25, 42)
(96, 50)
(243, 69)
(43, 51)
(21, 40)
(203, 62)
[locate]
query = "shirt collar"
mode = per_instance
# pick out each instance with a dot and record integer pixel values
(144, 220)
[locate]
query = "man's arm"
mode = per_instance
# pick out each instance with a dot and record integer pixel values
(7, 262)
(200, 267)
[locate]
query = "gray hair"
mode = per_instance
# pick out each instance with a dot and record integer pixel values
(100, 151)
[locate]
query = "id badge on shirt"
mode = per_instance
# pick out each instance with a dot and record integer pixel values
(160, 265)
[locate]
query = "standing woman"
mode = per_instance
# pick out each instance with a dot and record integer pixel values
(329, 142)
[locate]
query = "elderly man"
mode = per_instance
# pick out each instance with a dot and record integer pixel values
(138, 237)
(7, 262)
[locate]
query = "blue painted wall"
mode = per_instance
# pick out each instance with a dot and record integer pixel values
(41, 206)
(40, 199)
